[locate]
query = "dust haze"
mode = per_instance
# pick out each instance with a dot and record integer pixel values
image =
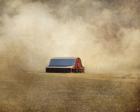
(104, 33)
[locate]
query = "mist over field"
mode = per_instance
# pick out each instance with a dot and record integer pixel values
(104, 33)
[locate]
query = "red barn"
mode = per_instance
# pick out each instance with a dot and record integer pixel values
(65, 65)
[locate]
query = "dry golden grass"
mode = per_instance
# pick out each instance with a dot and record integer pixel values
(41, 92)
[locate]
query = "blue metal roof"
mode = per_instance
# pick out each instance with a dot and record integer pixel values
(62, 62)
(64, 58)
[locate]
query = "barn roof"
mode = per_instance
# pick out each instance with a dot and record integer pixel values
(64, 58)
(59, 61)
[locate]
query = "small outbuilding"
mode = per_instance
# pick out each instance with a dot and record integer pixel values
(65, 65)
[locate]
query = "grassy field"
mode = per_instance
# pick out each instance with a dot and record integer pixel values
(42, 92)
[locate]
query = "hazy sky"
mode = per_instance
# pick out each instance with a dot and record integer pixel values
(104, 33)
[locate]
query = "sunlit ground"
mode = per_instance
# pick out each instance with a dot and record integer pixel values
(42, 92)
